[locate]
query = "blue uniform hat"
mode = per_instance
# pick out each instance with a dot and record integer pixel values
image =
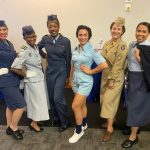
(2, 23)
(27, 30)
(53, 18)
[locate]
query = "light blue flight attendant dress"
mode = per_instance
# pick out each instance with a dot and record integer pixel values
(34, 90)
(82, 82)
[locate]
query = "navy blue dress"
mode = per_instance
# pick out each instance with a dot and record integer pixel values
(7, 56)
(57, 71)
(9, 83)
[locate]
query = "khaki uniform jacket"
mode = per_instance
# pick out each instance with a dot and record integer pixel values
(115, 53)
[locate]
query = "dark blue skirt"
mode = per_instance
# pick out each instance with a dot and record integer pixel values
(1, 96)
(13, 97)
(138, 100)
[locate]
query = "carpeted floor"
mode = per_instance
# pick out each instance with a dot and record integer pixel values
(94, 120)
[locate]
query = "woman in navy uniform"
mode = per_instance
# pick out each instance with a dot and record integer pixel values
(58, 54)
(138, 96)
(9, 84)
(82, 58)
(34, 86)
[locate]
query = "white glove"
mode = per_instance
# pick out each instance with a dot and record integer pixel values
(30, 74)
(3, 71)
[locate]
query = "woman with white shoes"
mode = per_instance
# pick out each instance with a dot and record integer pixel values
(82, 58)
(34, 91)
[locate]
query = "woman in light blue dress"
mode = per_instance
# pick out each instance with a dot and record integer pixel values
(82, 58)
(34, 86)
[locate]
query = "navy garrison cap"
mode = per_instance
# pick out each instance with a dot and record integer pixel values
(2, 23)
(53, 18)
(27, 30)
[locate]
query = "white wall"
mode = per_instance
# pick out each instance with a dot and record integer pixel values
(98, 14)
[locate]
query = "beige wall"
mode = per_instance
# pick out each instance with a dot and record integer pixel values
(98, 14)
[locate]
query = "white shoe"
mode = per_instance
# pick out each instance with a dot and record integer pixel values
(84, 127)
(75, 138)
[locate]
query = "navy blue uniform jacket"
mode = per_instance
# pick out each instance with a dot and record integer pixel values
(145, 61)
(58, 52)
(7, 56)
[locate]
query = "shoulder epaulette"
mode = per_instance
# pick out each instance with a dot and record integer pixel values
(24, 47)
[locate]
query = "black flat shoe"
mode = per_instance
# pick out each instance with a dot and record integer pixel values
(19, 130)
(33, 129)
(16, 134)
(127, 131)
(63, 128)
(128, 143)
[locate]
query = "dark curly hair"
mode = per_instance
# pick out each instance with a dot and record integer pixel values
(86, 28)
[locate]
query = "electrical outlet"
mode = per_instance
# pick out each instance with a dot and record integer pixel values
(127, 7)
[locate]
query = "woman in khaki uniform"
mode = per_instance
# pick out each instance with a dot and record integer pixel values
(115, 53)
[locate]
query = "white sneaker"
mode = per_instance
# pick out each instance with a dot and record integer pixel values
(76, 137)
(84, 127)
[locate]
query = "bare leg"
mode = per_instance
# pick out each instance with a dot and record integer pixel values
(35, 125)
(80, 111)
(9, 115)
(84, 110)
(104, 125)
(16, 117)
(133, 139)
(110, 124)
(78, 103)
(108, 133)
(133, 134)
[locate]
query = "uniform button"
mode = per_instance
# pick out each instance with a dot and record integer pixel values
(116, 75)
